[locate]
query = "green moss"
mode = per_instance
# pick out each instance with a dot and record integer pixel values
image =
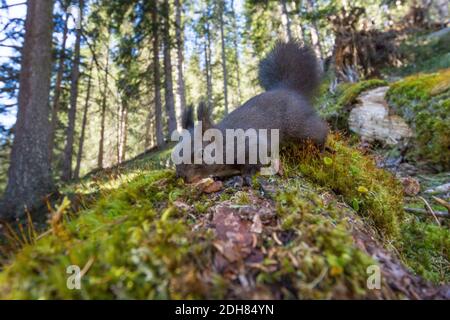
(424, 101)
(425, 248)
(336, 107)
(372, 192)
(140, 246)
(148, 236)
(321, 255)
(350, 92)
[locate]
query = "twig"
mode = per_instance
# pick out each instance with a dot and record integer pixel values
(430, 210)
(87, 266)
(441, 214)
(442, 203)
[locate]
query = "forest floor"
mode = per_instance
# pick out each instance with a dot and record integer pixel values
(137, 231)
(325, 227)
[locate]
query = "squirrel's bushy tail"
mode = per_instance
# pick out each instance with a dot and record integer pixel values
(290, 65)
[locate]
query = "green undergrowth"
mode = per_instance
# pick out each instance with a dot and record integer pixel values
(425, 248)
(377, 197)
(335, 107)
(422, 54)
(372, 192)
(423, 100)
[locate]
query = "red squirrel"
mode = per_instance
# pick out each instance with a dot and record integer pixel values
(290, 75)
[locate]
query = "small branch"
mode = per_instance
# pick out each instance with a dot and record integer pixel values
(442, 203)
(430, 210)
(440, 214)
(11, 46)
(13, 5)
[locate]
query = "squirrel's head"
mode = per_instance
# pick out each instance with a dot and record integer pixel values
(195, 172)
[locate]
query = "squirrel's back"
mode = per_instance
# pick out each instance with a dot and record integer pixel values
(291, 66)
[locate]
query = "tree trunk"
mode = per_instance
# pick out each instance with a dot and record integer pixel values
(301, 29)
(84, 122)
(157, 77)
(168, 81)
(315, 34)
(124, 132)
(224, 59)
(208, 70)
(29, 176)
(119, 131)
(101, 145)
(236, 52)
(285, 10)
(70, 135)
(180, 48)
(149, 127)
(57, 94)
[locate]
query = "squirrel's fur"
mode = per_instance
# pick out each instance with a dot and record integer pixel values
(290, 66)
(291, 75)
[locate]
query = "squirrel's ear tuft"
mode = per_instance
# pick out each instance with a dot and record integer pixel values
(204, 115)
(188, 117)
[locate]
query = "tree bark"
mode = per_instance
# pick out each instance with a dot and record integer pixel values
(101, 145)
(124, 132)
(285, 10)
(236, 52)
(70, 133)
(168, 80)
(56, 97)
(179, 37)
(29, 176)
(157, 77)
(301, 29)
(84, 122)
(208, 70)
(224, 58)
(315, 34)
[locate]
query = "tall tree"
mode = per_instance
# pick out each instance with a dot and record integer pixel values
(168, 81)
(29, 176)
(224, 56)
(288, 27)
(70, 133)
(101, 143)
(58, 83)
(76, 174)
(206, 26)
(157, 77)
(236, 53)
(315, 33)
(180, 58)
